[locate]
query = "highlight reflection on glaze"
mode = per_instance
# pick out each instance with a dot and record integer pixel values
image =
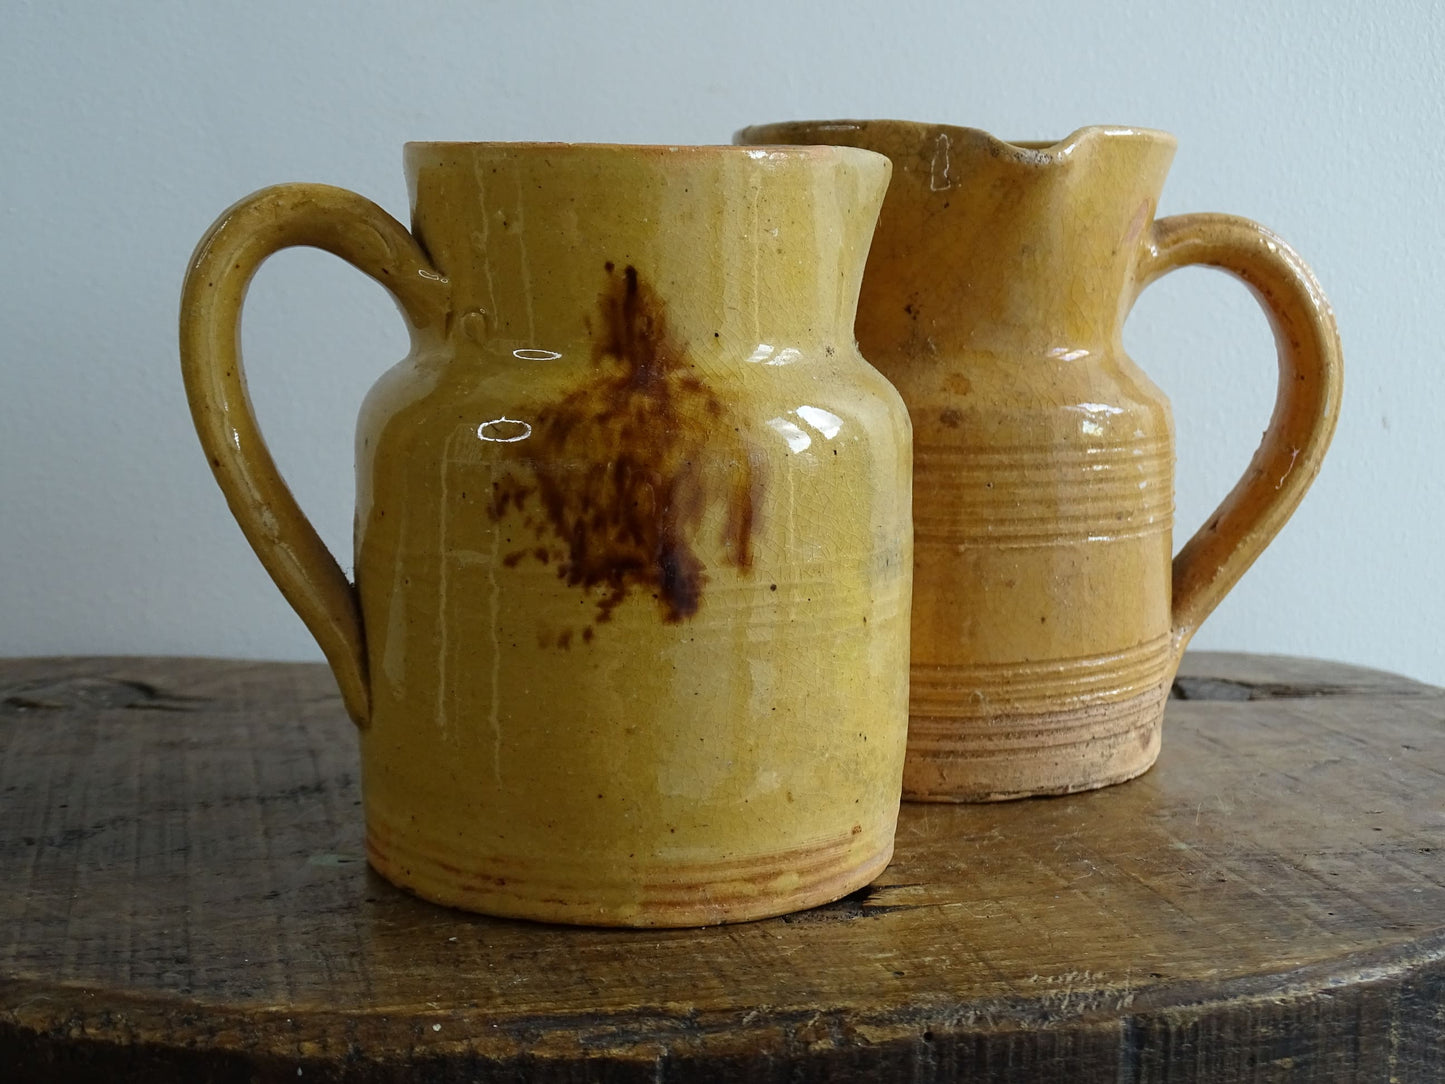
(504, 430)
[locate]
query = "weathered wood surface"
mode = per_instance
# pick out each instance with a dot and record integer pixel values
(183, 897)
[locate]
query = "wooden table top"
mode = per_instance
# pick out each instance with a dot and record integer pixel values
(183, 897)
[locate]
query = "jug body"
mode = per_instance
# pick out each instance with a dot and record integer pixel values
(1050, 613)
(1042, 652)
(633, 541)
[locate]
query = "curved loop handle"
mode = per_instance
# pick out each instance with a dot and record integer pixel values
(1306, 407)
(360, 232)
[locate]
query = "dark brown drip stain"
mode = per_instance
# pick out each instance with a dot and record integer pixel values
(625, 467)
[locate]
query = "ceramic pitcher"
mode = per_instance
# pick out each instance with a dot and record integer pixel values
(628, 638)
(1048, 618)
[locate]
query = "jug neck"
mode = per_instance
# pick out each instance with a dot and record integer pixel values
(989, 246)
(753, 248)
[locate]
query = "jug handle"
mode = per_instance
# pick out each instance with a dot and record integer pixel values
(1307, 402)
(220, 271)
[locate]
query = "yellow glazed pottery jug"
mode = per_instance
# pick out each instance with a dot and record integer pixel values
(628, 640)
(1048, 618)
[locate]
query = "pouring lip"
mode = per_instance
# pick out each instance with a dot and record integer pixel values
(1033, 150)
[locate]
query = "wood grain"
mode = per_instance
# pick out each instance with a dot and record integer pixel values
(183, 897)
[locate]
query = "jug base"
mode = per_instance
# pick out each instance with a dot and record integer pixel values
(729, 890)
(1001, 757)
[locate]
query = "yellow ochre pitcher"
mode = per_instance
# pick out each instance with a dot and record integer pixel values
(1049, 617)
(628, 641)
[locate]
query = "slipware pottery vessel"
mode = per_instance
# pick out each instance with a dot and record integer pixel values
(1049, 618)
(628, 639)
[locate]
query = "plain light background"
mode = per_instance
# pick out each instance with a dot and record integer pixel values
(125, 129)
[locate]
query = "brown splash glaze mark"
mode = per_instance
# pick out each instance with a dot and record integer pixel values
(625, 467)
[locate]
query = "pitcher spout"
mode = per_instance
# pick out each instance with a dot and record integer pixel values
(989, 244)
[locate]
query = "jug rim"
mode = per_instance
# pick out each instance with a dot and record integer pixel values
(691, 150)
(1027, 148)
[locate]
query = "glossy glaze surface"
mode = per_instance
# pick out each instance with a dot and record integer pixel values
(633, 527)
(1048, 616)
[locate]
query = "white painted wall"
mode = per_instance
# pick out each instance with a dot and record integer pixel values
(126, 128)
